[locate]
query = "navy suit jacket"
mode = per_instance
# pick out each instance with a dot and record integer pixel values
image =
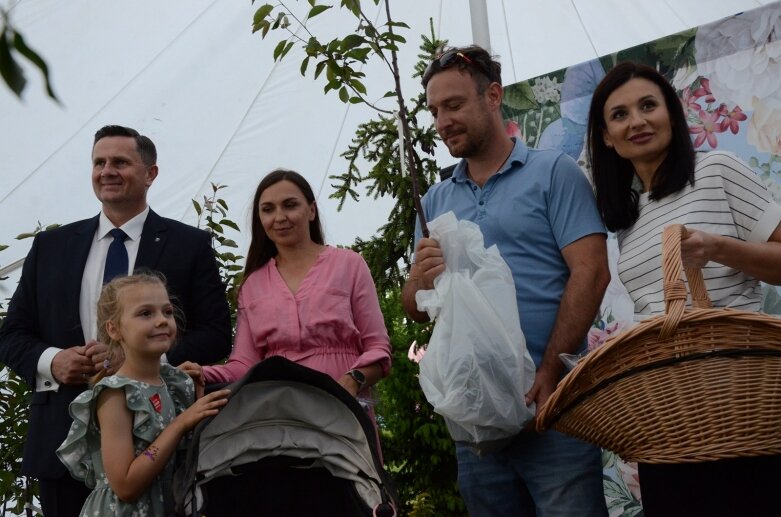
(44, 312)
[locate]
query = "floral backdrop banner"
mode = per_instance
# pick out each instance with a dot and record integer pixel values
(728, 78)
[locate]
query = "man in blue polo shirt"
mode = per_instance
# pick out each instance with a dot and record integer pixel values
(538, 208)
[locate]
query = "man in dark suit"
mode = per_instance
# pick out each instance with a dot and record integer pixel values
(48, 337)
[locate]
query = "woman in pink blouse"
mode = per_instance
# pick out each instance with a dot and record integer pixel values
(313, 304)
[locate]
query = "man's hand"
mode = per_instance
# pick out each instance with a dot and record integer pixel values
(429, 262)
(72, 366)
(98, 353)
(544, 385)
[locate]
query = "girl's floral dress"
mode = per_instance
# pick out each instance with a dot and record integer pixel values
(153, 408)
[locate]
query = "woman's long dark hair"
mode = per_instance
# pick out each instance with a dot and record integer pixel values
(612, 175)
(261, 248)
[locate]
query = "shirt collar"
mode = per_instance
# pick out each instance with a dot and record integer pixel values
(132, 228)
(519, 154)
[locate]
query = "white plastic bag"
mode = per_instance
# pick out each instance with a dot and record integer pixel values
(476, 370)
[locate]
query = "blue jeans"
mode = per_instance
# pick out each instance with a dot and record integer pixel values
(542, 475)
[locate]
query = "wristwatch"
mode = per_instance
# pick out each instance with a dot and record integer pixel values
(359, 377)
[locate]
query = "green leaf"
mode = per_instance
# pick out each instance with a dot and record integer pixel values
(355, 100)
(344, 96)
(10, 69)
(332, 70)
(262, 12)
(360, 54)
(286, 49)
(395, 37)
(312, 46)
(314, 11)
(519, 96)
(358, 86)
(230, 243)
(304, 64)
(319, 68)
(230, 224)
(351, 41)
(280, 21)
(333, 45)
(23, 236)
(331, 85)
(197, 207)
(3, 246)
(753, 162)
(266, 28)
(35, 59)
(353, 5)
(279, 48)
(216, 227)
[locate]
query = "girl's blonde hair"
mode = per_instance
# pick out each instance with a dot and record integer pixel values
(110, 308)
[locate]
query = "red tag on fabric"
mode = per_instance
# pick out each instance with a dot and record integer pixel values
(155, 400)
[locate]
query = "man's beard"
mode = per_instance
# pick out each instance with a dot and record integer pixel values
(468, 147)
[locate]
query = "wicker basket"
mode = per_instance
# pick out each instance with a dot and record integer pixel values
(690, 385)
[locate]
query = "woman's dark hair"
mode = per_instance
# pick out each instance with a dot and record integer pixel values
(261, 248)
(612, 175)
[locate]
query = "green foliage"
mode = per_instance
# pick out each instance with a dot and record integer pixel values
(376, 143)
(14, 401)
(419, 452)
(12, 44)
(340, 58)
(15, 395)
(213, 215)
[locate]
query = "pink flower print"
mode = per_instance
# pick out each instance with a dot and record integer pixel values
(689, 101)
(704, 91)
(511, 128)
(707, 129)
(732, 118)
(415, 352)
(598, 336)
(630, 477)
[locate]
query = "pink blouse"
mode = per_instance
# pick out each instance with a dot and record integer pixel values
(331, 324)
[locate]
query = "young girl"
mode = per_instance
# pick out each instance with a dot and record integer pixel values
(127, 428)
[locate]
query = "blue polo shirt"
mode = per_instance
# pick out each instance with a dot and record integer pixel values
(535, 205)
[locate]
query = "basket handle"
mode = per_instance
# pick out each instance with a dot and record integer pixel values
(675, 293)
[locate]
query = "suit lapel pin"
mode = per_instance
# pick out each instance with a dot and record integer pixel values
(157, 239)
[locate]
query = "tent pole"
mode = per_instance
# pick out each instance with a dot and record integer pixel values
(479, 15)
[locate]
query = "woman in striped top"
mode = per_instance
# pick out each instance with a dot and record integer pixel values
(646, 176)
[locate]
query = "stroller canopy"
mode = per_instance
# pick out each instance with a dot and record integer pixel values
(283, 415)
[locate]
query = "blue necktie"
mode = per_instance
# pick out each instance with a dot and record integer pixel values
(116, 258)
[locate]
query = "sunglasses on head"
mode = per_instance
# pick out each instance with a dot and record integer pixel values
(451, 57)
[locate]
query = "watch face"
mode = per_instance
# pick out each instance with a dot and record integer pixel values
(359, 377)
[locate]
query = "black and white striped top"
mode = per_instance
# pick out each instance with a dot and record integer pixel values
(727, 198)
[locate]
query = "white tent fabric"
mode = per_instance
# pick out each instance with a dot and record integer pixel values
(190, 75)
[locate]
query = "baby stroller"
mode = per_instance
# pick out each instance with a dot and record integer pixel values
(290, 441)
